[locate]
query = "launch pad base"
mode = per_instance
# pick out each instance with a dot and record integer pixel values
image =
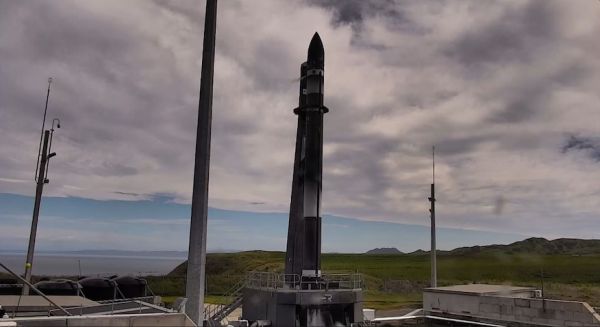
(330, 302)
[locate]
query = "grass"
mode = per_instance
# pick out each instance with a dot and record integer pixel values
(396, 281)
(384, 301)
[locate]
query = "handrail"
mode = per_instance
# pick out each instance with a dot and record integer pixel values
(147, 299)
(259, 279)
(35, 290)
(411, 317)
(236, 288)
(214, 310)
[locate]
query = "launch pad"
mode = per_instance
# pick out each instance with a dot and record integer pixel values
(286, 300)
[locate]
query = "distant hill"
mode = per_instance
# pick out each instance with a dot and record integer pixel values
(237, 263)
(572, 267)
(402, 276)
(534, 245)
(384, 251)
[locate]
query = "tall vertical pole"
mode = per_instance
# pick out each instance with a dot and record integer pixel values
(197, 245)
(36, 212)
(37, 165)
(433, 237)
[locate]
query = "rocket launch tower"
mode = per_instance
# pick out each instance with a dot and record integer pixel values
(303, 295)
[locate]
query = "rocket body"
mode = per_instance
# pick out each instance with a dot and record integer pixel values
(303, 255)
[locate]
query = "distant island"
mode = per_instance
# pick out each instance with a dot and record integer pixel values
(384, 251)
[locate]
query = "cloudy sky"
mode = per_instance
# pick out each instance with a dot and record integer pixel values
(507, 91)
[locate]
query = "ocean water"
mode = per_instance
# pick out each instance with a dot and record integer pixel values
(91, 265)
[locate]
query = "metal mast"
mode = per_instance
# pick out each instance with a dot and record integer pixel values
(37, 165)
(432, 214)
(197, 245)
(41, 170)
(41, 180)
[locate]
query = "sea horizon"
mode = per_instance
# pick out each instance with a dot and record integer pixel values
(73, 264)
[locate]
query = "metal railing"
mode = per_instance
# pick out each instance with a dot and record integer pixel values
(23, 280)
(146, 299)
(214, 311)
(118, 296)
(273, 280)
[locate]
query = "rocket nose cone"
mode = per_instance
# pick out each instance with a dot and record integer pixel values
(316, 53)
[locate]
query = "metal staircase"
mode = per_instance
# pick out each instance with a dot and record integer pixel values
(215, 313)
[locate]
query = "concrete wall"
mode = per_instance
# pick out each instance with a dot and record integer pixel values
(550, 312)
(512, 309)
(447, 302)
(30, 303)
(260, 305)
(142, 320)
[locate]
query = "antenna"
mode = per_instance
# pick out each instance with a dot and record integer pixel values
(41, 169)
(432, 216)
(433, 162)
(37, 165)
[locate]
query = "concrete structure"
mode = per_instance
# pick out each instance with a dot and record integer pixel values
(517, 306)
(133, 320)
(35, 303)
(302, 308)
(196, 266)
(485, 289)
(368, 314)
(32, 310)
(268, 297)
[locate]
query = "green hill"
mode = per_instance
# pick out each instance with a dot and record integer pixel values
(237, 263)
(570, 269)
(539, 246)
(412, 265)
(532, 246)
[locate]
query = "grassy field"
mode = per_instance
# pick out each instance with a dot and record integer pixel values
(396, 281)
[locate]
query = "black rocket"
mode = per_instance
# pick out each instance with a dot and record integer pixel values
(303, 255)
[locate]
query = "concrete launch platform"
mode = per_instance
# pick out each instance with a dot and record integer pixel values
(334, 299)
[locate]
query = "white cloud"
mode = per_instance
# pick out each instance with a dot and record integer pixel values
(498, 87)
